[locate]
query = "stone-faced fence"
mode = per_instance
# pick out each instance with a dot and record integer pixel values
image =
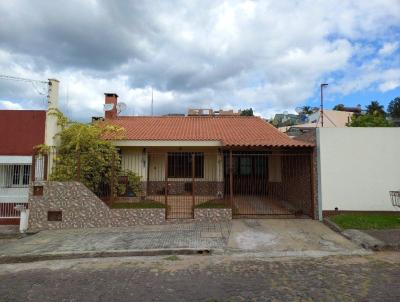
(63, 205)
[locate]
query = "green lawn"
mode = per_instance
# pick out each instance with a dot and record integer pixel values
(366, 221)
(212, 204)
(147, 204)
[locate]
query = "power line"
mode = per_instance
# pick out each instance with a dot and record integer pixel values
(12, 78)
(35, 83)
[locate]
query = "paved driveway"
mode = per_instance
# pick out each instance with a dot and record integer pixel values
(287, 237)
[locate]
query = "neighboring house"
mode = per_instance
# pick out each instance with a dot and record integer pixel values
(243, 161)
(284, 120)
(20, 131)
(332, 119)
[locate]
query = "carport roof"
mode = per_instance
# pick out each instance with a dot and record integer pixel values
(229, 130)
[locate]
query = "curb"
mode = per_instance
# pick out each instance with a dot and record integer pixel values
(5, 259)
(364, 240)
(333, 226)
(360, 238)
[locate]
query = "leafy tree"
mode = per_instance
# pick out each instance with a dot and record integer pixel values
(394, 108)
(247, 112)
(369, 120)
(376, 109)
(338, 107)
(307, 110)
(84, 155)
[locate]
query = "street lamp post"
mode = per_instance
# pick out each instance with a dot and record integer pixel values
(322, 104)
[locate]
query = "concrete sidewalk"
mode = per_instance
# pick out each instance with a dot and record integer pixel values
(9, 231)
(182, 238)
(240, 237)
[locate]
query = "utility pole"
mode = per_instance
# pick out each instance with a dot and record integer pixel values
(152, 102)
(322, 104)
(51, 128)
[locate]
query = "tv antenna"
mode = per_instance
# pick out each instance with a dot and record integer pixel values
(152, 102)
(121, 107)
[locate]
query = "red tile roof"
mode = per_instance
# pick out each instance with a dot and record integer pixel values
(230, 130)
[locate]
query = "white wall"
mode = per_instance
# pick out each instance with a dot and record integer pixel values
(213, 167)
(358, 167)
(135, 160)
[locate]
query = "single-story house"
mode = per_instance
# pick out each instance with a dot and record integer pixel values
(185, 161)
(20, 131)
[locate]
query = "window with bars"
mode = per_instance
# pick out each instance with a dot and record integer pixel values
(248, 165)
(21, 175)
(180, 164)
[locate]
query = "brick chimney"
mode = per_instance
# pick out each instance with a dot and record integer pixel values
(111, 98)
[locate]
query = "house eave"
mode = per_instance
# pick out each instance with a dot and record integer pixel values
(166, 143)
(15, 159)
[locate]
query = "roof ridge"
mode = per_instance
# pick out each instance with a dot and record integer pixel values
(230, 130)
(188, 116)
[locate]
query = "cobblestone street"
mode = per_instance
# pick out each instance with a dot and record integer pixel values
(205, 278)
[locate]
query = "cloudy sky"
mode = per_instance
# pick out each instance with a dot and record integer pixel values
(268, 55)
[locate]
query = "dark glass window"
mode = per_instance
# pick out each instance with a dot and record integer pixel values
(248, 165)
(21, 175)
(16, 175)
(245, 167)
(27, 175)
(180, 165)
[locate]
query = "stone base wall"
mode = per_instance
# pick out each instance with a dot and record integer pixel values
(80, 208)
(212, 215)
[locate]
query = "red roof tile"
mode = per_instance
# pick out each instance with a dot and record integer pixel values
(230, 130)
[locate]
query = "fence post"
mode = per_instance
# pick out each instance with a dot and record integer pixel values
(193, 174)
(166, 185)
(33, 171)
(312, 183)
(231, 178)
(45, 166)
(112, 189)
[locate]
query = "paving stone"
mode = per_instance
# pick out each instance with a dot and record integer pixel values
(328, 279)
(174, 236)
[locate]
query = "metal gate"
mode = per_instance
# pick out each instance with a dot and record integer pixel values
(251, 183)
(265, 183)
(183, 180)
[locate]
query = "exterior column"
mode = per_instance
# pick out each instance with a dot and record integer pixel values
(231, 178)
(51, 128)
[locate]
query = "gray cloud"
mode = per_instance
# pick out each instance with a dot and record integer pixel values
(264, 54)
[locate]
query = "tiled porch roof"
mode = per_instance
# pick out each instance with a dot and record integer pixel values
(229, 130)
